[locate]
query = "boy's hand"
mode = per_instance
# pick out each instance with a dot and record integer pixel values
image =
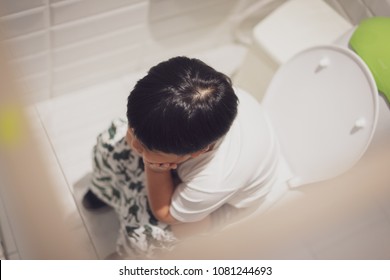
(160, 167)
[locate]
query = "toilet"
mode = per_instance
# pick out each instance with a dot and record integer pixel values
(323, 106)
(322, 102)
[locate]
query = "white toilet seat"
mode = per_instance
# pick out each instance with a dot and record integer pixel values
(323, 106)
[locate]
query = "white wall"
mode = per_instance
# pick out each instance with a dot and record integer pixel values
(62, 45)
(356, 10)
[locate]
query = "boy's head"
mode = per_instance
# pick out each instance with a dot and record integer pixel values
(181, 106)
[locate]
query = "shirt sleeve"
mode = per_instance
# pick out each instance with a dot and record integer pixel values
(227, 215)
(192, 205)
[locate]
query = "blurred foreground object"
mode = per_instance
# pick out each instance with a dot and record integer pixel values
(322, 208)
(28, 189)
(371, 41)
(10, 125)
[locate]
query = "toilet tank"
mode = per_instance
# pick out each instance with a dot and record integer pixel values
(293, 27)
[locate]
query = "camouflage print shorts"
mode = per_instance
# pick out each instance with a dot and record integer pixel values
(118, 179)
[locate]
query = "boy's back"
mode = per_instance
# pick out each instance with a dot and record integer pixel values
(239, 171)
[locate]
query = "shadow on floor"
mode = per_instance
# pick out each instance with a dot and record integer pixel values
(102, 225)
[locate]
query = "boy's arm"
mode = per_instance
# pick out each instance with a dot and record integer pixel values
(160, 190)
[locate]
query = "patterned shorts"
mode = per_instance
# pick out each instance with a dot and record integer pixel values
(118, 179)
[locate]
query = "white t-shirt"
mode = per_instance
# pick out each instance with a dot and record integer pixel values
(238, 172)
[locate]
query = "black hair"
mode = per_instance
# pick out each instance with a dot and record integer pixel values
(181, 106)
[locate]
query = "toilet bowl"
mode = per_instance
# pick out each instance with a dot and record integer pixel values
(323, 106)
(325, 109)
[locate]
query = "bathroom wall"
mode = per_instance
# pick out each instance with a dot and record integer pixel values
(59, 46)
(356, 10)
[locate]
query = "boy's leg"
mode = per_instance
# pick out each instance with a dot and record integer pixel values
(103, 189)
(92, 202)
(118, 180)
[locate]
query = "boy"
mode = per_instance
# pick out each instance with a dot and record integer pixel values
(193, 154)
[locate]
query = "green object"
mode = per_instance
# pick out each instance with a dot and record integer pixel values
(371, 41)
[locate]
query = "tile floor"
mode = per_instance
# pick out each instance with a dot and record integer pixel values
(68, 125)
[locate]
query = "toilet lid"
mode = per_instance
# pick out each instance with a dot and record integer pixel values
(323, 106)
